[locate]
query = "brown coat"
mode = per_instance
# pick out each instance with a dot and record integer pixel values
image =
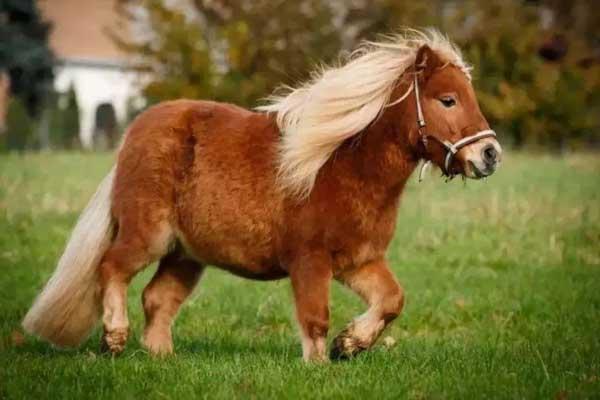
(196, 184)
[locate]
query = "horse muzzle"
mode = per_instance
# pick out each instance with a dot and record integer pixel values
(482, 158)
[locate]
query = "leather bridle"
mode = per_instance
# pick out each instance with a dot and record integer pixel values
(451, 148)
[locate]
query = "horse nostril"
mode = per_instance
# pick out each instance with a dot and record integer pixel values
(489, 154)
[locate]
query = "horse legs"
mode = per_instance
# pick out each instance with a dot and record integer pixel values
(134, 248)
(310, 283)
(378, 287)
(173, 282)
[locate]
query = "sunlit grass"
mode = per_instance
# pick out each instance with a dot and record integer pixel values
(502, 281)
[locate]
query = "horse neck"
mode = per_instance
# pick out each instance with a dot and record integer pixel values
(382, 158)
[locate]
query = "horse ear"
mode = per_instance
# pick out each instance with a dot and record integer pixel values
(427, 61)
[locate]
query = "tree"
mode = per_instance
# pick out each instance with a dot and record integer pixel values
(238, 51)
(24, 52)
(268, 42)
(63, 112)
(229, 50)
(529, 99)
(20, 128)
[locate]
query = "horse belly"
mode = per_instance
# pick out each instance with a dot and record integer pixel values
(214, 238)
(228, 205)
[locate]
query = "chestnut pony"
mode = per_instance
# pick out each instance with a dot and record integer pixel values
(306, 187)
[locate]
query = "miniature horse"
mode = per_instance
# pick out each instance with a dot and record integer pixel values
(306, 187)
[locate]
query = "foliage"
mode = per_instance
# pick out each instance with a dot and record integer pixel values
(24, 51)
(176, 55)
(22, 131)
(535, 101)
(64, 120)
(20, 128)
(239, 51)
(502, 281)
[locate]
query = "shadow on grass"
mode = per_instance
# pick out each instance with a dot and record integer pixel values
(202, 347)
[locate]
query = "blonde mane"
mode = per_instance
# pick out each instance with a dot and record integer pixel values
(340, 101)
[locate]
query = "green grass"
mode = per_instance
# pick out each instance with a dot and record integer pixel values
(502, 281)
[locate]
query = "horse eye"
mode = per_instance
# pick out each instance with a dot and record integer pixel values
(448, 101)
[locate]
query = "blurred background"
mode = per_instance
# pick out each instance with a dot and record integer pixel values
(73, 73)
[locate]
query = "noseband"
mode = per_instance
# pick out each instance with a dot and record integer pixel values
(451, 148)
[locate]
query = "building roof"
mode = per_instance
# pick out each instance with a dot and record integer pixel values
(80, 29)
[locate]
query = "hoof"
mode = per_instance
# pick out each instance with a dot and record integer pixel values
(114, 341)
(158, 345)
(337, 354)
(317, 359)
(345, 346)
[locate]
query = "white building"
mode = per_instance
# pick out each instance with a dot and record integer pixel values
(96, 82)
(88, 58)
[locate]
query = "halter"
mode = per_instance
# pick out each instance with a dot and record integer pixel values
(451, 148)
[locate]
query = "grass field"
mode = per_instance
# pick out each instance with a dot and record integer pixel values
(502, 281)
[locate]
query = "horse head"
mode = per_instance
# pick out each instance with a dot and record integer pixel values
(450, 129)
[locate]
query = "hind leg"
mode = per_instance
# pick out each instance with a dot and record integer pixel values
(133, 249)
(173, 282)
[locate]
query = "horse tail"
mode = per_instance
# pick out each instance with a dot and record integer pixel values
(69, 306)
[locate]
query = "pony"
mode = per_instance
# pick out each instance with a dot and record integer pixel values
(306, 186)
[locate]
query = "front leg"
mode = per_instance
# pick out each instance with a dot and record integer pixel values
(378, 287)
(311, 278)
